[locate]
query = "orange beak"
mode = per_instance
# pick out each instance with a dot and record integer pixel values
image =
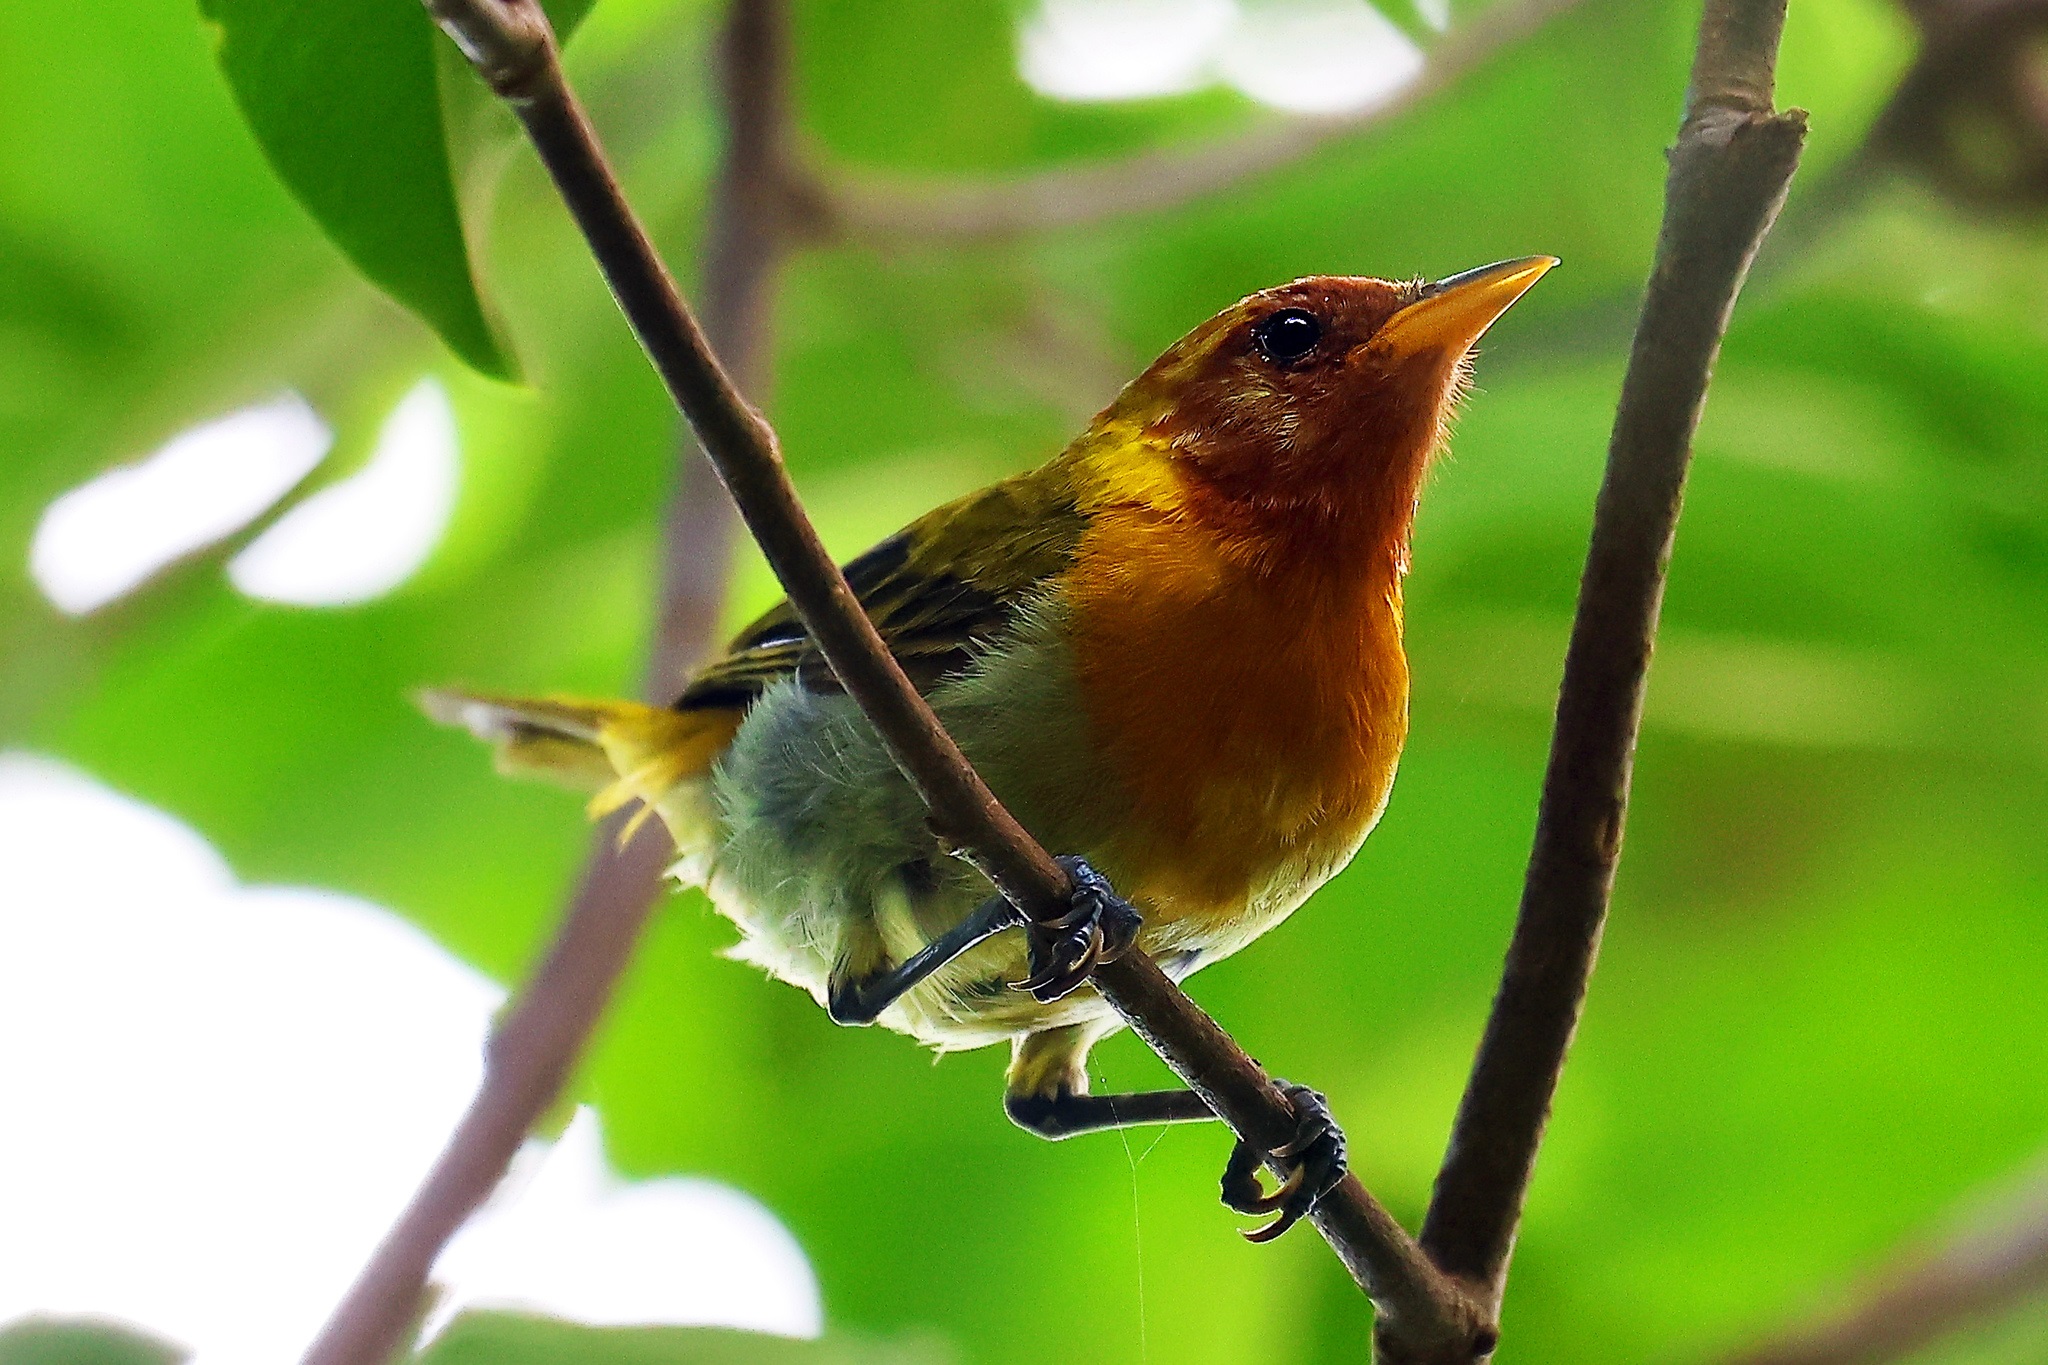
(1456, 312)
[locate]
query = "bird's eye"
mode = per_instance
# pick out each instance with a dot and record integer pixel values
(1287, 336)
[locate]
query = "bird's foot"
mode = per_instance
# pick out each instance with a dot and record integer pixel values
(1315, 1153)
(1099, 926)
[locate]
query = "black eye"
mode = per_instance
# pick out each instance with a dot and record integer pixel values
(1287, 336)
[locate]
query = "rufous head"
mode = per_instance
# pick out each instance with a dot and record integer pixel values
(1313, 408)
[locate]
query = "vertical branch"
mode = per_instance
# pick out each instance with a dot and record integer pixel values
(1729, 172)
(534, 1051)
(752, 226)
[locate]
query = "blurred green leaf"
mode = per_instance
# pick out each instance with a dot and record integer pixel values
(79, 1341)
(344, 98)
(518, 1339)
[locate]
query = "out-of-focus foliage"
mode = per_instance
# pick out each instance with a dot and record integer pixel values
(1819, 1019)
(512, 1339)
(48, 1341)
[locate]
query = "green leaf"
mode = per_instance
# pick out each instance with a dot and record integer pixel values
(81, 1341)
(522, 1339)
(343, 97)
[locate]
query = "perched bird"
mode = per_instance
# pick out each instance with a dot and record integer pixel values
(1174, 652)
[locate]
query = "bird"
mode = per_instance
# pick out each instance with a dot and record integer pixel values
(1174, 651)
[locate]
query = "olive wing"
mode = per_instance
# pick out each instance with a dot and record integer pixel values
(941, 589)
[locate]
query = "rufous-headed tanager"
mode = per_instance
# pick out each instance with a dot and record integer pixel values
(1174, 651)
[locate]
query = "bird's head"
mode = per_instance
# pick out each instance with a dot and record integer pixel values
(1312, 409)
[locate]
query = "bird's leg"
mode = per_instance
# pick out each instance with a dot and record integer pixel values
(1099, 926)
(1045, 1091)
(852, 1001)
(1315, 1153)
(1065, 1114)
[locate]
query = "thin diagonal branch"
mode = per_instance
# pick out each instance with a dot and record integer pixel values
(1729, 172)
(533, 1053)
(1948, 1285)
(529, 1059)
(512, 47)
(891, 209)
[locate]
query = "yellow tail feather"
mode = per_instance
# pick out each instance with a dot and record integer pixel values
(622, 751)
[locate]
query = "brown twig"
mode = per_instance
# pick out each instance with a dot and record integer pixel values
(1729, 172)
(892, 209)
(1927, 1295)
(536, 1048)
(510, 43)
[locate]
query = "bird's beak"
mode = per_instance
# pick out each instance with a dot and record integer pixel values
(1454, 313)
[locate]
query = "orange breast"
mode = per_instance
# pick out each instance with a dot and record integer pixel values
(1255, 719)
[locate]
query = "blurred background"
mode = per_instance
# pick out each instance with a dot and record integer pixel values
(256, 913)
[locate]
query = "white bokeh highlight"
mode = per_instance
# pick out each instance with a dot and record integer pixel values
(367, 534)
(1318, 56)
(220, 1095)
(1121, 49)
(100, 541)
(1304, 56)
(578, 1242)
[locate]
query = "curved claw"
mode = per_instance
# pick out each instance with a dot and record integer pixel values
(1099, 926)
(1318, 1155)
(1287, 1219)
(1114, 921)
(1066, 964)
(1252, 1201)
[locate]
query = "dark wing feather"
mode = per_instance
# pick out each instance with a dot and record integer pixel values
(945, 586)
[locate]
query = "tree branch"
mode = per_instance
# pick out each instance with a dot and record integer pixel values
(511, 45)
(1926, 1295)
(1729, 172)
(893, 209)
(534, 1051)
(528, 1060)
